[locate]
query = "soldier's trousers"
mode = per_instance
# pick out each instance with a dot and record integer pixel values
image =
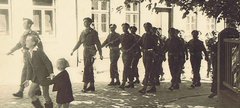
(114, 56)
(88, 75)
(127, 68)
(175, 68)
(135, 66)
(158, 66)
(24, 73)
(196, 64)
(148, 61)
(214, 77)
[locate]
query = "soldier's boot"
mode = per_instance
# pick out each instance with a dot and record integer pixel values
(48, 105)
(117, 82)
(212, 95)
(122, 86)
(143, 90)
(37, 104)
(176, 86)
(171, 87)
(137, 81)
(84, 90)
(152, 90)
(38, 92)
(20, 92)
(162, 78)
(91, 87)
(111, 83)
(157, 82)
(130, 85)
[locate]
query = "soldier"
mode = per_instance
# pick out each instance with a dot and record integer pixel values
(89, 38)
(137, 54)
(114, 53)
(196, 47)
(185, 55)
(27, 24)
(160, 57)
(127, 41)
(149, 44)
(175, 48)
(209, 42)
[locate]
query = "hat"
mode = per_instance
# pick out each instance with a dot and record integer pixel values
(29, 20)
(112, 26)
(133, 28)
(126, 24)
(87, 19)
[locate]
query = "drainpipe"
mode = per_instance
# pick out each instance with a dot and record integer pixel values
(76, 6)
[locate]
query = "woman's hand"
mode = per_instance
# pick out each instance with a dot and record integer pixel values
(25, 83)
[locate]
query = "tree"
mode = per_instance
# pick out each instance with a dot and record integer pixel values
(219, 9)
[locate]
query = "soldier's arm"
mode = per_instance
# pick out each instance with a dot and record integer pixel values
(105, 42)
(204, 51)
(18, 46)
(78, 43)
(98, 43)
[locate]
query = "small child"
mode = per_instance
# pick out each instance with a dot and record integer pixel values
(62, 84)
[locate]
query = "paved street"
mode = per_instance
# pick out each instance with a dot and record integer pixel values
(111, 97)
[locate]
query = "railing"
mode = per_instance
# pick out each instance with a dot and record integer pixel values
(231, 70)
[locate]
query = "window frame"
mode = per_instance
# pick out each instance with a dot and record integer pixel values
(133, 12)
(99, 12)
(8, 7)
(43, 9)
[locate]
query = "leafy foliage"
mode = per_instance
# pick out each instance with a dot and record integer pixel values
(219, 9)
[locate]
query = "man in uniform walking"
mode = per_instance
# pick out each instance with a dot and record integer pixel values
(149, 45)
(175, 48)
(89, 38)
(196, 47)
(160, 57)
(113, 43)
(27, 24)
(127, 41)
(137, 54)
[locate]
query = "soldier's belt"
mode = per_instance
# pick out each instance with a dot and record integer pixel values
(114, 48)
(147, 50)
(89, 46)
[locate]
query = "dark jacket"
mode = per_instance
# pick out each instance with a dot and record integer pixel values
(39, 67)
(196, 47)
(63, 86)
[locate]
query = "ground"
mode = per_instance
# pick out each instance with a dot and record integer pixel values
(111, 97)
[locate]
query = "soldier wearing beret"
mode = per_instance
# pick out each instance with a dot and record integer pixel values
(137, 54)
(113, 43)
(196, 47)
(127, 41)
(27, 24)
(149, 45)
(89, 38)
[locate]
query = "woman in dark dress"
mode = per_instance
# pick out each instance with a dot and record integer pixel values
(62, 84)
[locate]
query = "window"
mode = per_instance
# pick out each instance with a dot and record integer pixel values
(210, 24)
(100, 15)
(191, 24)
(132, 15)
(4, 17)
(44, 17)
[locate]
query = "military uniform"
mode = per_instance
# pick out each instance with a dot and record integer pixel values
(185, 56)
(160, 57)
(22, 44)
(149, 45)
(127, 41)
(113, 43)
(196, 47)
(89, 38)
(175, 48)
(136, 56)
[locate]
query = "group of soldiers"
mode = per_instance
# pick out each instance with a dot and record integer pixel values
(152, 46)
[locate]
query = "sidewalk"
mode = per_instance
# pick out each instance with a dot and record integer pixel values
(113, 97)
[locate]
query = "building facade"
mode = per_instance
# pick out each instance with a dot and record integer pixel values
(59, 22)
